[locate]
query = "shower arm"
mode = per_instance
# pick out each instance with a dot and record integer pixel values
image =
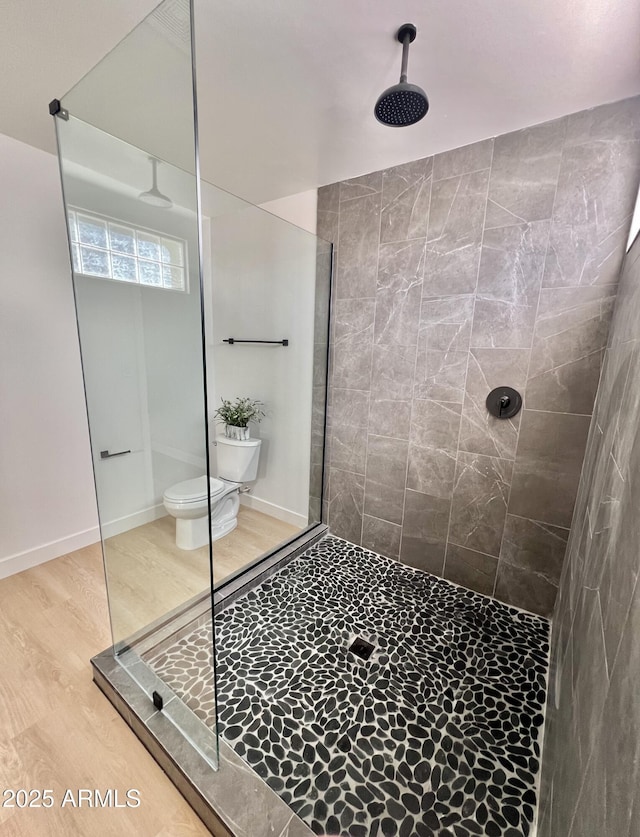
(405, 57)
(154, 168)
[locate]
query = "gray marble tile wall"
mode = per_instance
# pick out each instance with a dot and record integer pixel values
(493, 264)
(591, 758)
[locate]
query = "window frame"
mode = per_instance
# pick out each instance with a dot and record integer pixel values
(136, 229)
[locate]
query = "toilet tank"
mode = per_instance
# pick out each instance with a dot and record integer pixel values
(237, 460)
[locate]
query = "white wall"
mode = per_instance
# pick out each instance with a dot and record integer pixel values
(300, 209)
(263, 287)
(47, 499)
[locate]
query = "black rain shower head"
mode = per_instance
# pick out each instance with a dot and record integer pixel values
(404, 103)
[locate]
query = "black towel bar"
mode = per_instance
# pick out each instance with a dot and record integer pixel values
(232, 340)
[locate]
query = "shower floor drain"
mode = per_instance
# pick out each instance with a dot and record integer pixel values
(361, 648)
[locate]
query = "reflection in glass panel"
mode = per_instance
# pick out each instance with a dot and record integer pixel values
(92, 231)
(172, 252)
(173, 277)
(148, 246)
(149, 273)
(73, 226)
(124, 268)
(94, 262)
(122, 239)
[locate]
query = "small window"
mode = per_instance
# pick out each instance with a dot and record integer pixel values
(112, 250)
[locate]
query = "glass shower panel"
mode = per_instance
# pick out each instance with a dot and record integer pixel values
(127, 151)
(266, 308)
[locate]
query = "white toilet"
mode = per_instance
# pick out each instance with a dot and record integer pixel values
(187, 501)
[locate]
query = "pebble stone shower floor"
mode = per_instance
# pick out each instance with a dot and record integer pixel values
(437, 733)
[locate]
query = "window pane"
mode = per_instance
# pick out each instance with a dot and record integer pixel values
(173, 277)
(123, 239)
(172, 252)
(92, 231)
(75, 255)
(148, 246)
(95, 262)
(114, 250)
(149, 273)
(124, 267)
(73, 227)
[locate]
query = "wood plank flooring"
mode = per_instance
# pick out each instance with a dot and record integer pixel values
(148, 576)
(57, 731)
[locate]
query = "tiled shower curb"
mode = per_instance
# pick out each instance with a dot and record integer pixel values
(232, 801)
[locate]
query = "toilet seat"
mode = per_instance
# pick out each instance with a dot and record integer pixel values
(194, 491)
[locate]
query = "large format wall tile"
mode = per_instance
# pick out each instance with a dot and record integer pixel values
(456, 217)
(352, 343)
(443, 343)
(349, 407)
(386, 477)
(392, 371)
(440, 375)
(524, 173)
(361, 187)
(435, 424)
(431, 470)
(525, 589)
(535, 546)
(328, 212)
(381, 536)
(547, 469)
(390, 417)
(399, 291)
(346, 501)
(359, 234)
(509, 283)
(463, 160)
(445, 323)
(596, 194)
(474, 570)
(424, 531)
(571, 334)
(406, 192)
(614, 122)
(490, 265)
(479, 506)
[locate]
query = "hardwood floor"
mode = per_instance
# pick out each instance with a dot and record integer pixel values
(57, 731)
(148, 576)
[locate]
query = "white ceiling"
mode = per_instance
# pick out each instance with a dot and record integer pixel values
(287, 88)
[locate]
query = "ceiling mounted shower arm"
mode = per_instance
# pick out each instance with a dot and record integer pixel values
(406, 35)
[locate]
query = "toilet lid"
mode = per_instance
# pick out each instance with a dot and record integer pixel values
(191, 490)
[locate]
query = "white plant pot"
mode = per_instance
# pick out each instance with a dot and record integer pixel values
(233, 432)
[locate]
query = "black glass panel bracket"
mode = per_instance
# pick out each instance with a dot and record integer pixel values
(361, 648)
(56, 109)
(504, 402)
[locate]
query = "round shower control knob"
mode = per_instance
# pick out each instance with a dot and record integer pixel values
(504, 402)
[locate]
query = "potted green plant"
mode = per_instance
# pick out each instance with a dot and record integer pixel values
(236, 416)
